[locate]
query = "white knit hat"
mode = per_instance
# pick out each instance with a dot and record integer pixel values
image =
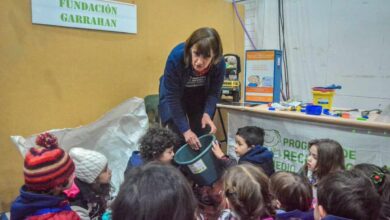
(89, 164)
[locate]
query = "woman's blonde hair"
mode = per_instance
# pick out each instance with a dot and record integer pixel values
(247, 189)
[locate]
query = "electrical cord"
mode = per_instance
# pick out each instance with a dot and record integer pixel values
(285, 88)
(243, 25)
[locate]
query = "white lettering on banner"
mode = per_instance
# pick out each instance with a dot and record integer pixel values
(288, 139)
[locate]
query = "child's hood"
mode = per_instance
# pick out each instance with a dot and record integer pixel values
(136, 159)
(258, 154)
(298, 214)
(28, 203)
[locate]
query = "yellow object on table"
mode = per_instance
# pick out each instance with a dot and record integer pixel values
(323, 97)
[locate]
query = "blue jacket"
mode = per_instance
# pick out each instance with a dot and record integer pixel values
(333, 217)
(134, 161)
(172, 85)
(295, 214)
(260, 156)
(29, 204)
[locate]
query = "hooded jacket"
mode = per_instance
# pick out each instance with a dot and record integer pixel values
(34, 206)
(295, 214)
(333, 217)
(258, 156)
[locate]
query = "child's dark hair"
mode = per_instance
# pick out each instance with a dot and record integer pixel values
(155, 142)
(292, 191)
(95, 193)
(247, 189)
(252, 135)
(348, 194)
(154, 191)
(380, 177)
(330, 156)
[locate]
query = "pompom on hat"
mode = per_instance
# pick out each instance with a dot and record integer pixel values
(46, 165)
(89, 163)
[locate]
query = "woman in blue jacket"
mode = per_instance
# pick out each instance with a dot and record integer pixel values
(191, 85)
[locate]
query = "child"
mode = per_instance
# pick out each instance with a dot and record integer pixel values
(347, 195)
(249, 147)
(156, 144)
(246, 191)
(48, 170)
(293, 196)
(380, 177)
(93, 179)
(325, 156)
(154, 191)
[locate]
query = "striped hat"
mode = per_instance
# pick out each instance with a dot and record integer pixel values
(46, 165)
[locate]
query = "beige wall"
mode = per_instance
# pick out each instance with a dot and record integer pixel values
(55, 77)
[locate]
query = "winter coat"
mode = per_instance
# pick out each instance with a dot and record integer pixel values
(258, 155)
(34, 206)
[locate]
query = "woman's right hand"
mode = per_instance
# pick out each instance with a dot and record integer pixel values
(192, 140)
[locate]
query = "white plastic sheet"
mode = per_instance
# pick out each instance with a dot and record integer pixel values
(116, 135)
(329, 42)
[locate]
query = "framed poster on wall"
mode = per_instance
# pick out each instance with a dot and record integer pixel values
(263, 71)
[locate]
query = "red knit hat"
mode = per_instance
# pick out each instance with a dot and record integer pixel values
(46, 165)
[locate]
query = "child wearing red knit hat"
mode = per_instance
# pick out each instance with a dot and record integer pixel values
(48, 170)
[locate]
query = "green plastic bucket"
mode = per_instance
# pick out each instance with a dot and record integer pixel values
(201, 164)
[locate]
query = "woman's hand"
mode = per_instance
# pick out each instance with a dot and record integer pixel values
(206, 120)
(217, 150)
(192, 139)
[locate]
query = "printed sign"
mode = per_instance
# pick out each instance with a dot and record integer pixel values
(88, 14)
(262, 76)
(288, 139)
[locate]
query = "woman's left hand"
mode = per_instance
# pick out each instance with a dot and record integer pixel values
(206, 120)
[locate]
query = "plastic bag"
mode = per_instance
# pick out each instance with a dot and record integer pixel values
(115, 135)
